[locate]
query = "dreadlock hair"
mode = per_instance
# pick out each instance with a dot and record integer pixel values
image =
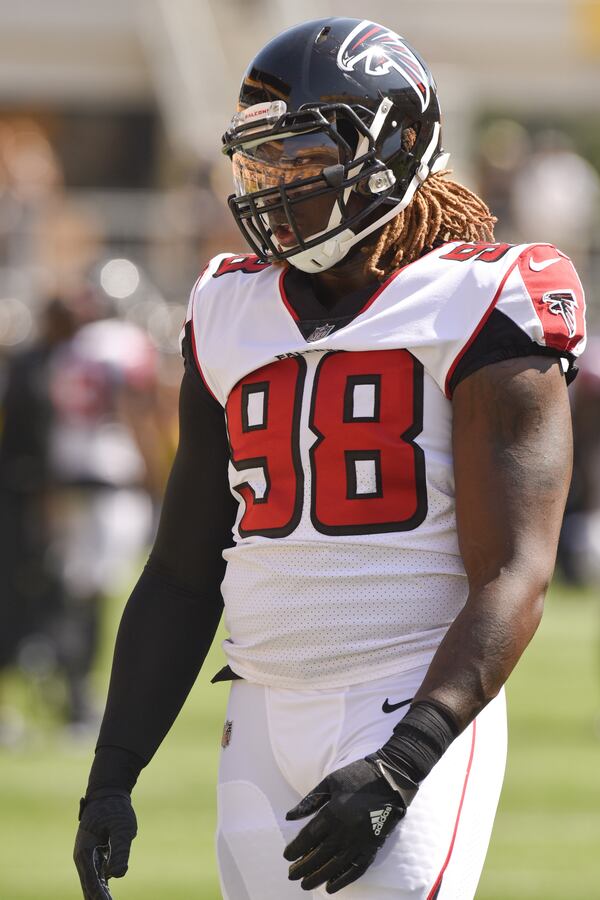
(441, 210)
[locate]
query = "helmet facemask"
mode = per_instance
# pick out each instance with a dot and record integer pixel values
(294, 182)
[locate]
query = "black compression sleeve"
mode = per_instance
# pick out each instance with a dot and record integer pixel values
(164, 636)
(113, 769)
(172, 614)
(198, 509)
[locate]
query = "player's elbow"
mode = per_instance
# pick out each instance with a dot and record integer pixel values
(529, 588)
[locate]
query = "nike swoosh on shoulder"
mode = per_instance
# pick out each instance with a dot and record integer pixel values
(543, 263)
(391, 707)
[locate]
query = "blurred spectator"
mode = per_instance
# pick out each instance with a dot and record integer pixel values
(105, 453)
(555, 198)
(83, 440)
(579, 552)
(41, 230)
(503, 147)
(30, 595)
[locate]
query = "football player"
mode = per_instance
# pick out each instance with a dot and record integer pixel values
(374, 456)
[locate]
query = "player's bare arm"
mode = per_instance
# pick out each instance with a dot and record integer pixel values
(512, 452)
(512, 462)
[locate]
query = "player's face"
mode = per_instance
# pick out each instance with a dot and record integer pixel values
(284, 162)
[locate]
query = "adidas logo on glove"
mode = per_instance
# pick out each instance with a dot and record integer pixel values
(379, 817)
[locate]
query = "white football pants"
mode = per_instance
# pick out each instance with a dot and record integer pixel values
(280, 743)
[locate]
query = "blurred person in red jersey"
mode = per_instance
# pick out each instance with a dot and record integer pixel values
(105, 458)
(83, 431)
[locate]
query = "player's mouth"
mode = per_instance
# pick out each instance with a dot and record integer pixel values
(284, 236)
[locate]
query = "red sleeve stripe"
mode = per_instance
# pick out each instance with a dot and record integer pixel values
(195, 349)
(484, 319)
(436, 885)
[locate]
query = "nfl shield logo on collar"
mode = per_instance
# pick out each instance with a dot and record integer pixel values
(321, 331)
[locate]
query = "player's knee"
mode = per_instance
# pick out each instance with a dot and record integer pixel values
(250, 840)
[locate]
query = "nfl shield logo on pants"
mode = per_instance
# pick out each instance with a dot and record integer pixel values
(226, 737)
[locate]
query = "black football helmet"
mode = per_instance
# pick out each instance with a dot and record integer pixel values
(338, 125)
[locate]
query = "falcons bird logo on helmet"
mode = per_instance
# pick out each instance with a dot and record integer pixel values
(381, 51)
(564, 304)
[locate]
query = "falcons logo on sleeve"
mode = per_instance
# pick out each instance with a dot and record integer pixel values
(380, 51)
(564, 304)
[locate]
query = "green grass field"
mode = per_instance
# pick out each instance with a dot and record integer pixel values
(546, 842)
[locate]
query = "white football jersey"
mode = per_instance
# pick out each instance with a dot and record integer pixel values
(346, 565)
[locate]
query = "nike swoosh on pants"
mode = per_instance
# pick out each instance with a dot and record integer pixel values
(390, 707)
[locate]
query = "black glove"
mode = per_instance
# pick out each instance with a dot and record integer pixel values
(361, 803)
(358, 808)
(107, 826)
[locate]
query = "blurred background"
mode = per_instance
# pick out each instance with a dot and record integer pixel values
(112, 198)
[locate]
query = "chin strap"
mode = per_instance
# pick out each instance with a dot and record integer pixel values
(332, 251)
